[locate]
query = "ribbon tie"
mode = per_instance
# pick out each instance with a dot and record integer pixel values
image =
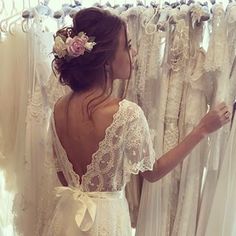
(86, 207)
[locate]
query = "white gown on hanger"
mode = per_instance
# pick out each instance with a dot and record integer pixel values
(151, 222)
(151, 90)
(217, 66)
(31, 137)
(222, 215)
(13, 103)
(95, 205)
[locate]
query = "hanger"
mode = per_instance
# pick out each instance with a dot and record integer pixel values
(190, 2)
(150, 27)
(3, 8)
(205, 8)
(58, 15)
(67, 10)
(213, 2)
(108, 4)
(13, 23)
(5, 22)
(140, 3)
(43, 9)
(45, 2)
(14, 9)
(77, 3)
(71, 10)
(175, 4)
(154, 4)
(163, 19)
(128, 5)
(27, 15)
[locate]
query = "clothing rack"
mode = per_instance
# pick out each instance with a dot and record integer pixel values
(12, 12)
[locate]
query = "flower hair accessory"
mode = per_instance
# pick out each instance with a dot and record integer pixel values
(73, 47)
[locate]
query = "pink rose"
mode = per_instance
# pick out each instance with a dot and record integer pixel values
(76, 45)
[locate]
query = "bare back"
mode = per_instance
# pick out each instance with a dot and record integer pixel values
(79, 135)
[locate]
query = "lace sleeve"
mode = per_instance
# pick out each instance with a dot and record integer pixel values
(139, 153)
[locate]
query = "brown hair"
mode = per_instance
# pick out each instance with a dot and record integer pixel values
(83, 72)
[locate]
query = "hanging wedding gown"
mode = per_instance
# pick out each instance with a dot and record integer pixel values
(150, 222)
(14, 82)
(134, 187)
(222, 218)
(32, 135)
(95, 204)
(152, 92)
(178, 58)
(222, 215)
(217, 66)
(197, 94)
(13, 100)
(133, 18)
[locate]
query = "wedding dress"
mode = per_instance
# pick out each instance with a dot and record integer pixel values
(222, 215)
(32, 135)
(12, 109)
(217, 66)
(132, 17)
(13, 100)
(178, 55)
(95, 204)
(197, 95)
(151, 222)
(153, 97)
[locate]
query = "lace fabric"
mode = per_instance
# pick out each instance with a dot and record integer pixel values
(194, 106)
(126, 149)
(32, 136)
(178, 55)
(216, 47)
(113, 155)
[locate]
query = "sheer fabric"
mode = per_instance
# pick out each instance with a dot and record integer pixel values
(217, 66)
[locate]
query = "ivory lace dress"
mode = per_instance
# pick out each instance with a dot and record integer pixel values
(95, 204)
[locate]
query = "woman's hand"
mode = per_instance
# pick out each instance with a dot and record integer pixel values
(214, 119)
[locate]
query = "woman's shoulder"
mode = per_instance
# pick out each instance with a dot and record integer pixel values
(132, 108)
(120, 111)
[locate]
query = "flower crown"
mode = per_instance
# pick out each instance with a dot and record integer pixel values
(67, 47)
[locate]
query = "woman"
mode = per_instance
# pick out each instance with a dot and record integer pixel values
(99, 140)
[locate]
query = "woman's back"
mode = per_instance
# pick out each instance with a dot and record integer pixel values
(99, 155)
(78, 134)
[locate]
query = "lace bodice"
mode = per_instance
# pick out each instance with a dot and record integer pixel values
(126, 148)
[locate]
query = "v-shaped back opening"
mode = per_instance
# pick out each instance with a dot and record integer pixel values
(100, 143)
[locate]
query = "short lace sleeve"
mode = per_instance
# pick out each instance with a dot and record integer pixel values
(139, 154)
